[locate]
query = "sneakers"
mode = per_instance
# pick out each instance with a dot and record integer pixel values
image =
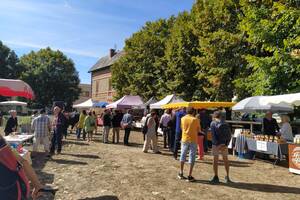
(214, 180)
(227, 180)
(180, 176)
(190, 179)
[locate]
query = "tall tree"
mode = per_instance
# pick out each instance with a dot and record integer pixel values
(51, 75)
(10, 67)
(273, 33)
(141, 69)
(181, 71)
(220, 44)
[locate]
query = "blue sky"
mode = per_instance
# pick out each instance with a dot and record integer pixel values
(83, 29)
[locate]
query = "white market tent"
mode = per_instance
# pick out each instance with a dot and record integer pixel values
(291, 99)
(86, 104)
(262, 103)
(13, 103)
(126, 102)
(168, 99)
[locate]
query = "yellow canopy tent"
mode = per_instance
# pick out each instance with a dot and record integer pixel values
(199, 104)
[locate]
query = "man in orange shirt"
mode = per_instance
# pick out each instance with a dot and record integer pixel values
(190, 127)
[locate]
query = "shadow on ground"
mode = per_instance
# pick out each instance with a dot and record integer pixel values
(80, 143)
(89, 156)
(258, 187)
(108, 197)
(67, 162)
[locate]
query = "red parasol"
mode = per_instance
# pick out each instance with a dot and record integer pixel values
(12, 88)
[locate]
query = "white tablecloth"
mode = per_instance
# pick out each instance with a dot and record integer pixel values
(18, 138)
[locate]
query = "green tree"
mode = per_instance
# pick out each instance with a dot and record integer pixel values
(51, 75)
(220, 44)
(273, 33)
(141, 69)
(10, 67)
(181, 48)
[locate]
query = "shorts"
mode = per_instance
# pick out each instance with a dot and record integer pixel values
(220, 149)
(192, 148)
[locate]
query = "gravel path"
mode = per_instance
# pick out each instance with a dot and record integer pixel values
(96, 171)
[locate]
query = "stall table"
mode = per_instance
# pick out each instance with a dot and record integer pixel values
(244, 144)
(19, 139)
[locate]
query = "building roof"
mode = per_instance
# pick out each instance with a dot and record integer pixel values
(107, 61)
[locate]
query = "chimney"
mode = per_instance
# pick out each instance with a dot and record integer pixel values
(112, 52)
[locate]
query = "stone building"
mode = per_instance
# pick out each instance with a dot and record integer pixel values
(101, 77)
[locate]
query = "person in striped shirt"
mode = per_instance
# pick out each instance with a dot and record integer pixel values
(41, 126)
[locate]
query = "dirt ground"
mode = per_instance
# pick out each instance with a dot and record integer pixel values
(97, 171)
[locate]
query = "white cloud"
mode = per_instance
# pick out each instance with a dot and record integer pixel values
(40, 46)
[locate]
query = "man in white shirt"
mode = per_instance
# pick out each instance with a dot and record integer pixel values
(164, 125)
(41, 126)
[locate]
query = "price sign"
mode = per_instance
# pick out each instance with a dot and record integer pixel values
(261, 145)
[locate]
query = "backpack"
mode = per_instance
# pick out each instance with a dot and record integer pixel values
(17, 183)
(92, 121)
(224, 133)
(145, 127)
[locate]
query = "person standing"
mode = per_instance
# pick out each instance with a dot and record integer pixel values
(95, 119)
(116, 124)
(270, 126)
(126, 123)
(205, 121)
(41, 126)
(107, 125)
(172, 125)
(190, 127)
(221, 136)
(164, 122)
(286, 130)
(181, 113)
(12, 123)
(80, 125)
(150, 136)
(67, 123)
(89, 126)
(58, 128)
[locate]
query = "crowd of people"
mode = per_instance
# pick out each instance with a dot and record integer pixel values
(187, 129)
(184, 128)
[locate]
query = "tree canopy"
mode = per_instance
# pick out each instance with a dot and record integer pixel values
(10, 66)
(51, 75)
(217, 50)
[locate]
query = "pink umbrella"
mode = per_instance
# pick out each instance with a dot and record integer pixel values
(13, 88)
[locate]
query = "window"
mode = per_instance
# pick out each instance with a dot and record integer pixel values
(97, 86)
(109, 84)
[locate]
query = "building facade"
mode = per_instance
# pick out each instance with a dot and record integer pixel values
(101, 77)
(85, 94)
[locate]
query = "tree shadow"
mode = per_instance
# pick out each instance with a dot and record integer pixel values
(258, 187)
(66, 142)
(67, 162)
(106, 197)
(231, 163)
(82, 155)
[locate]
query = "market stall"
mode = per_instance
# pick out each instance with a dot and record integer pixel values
(261, 103)
(274, 144)
(13, 88)
(86, 104)
(199, 104)
(167, 100)
(269, 145)
(126, 102)
(13, 103)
